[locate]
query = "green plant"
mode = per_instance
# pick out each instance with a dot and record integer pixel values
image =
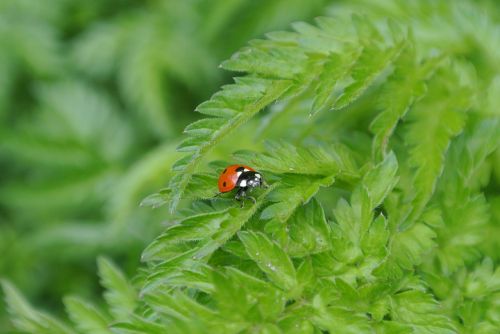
(93, 98)
(382, 153)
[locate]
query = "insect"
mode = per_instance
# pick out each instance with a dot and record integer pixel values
(240, 177)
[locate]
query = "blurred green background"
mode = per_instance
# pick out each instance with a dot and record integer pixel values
(93, 99)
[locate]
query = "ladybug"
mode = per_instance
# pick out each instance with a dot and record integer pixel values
(241, 177)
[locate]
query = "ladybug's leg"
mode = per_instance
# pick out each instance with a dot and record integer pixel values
(240, 196)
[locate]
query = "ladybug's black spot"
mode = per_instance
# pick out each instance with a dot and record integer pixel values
(224, 183)
(240, 169)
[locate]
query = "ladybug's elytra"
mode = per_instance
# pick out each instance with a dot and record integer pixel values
(243, 178)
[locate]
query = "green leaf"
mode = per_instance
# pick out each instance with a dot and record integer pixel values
(333, 319)
(405, 86)
(294, 191)
(193, 228)
(120, 294)
(335, 70)
(249, 96)
(86, 317)
(379, 181)
(372, 62)
(441, 120)
(179, 306)
(420, 312)
(411, 246)
(179, 256)
(26, 318)
(138, 325)
(269, 299)
(307, 230)
(271, 259)
(267, 60)
(374, 242)
(308, 160)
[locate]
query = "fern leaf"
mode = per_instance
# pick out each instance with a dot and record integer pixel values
(194, 228)
(307, 160)
(119, 294)
(222, 226)
(332, 319)
(411, 246)
(181, 307)
(335, 71)
(275, 67)
(271, 259)
(308, 232)
(379, 181)
(26, 318)
(139, 325)
(284, 62)
(440, 121)
(372, 62)
(269, 299)
(86, 317)
(465, 210)
(355, 218)
(405, 86)
(202, 186)
(295, 191)
(421, 313)
(233, 97)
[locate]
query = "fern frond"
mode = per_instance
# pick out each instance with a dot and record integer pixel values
(405, 86)
(354, 219)
(211, 231)
(307, 160)
(440, 119)
(86, 317)
(418, 311)
(120, 295)
(285, 65)
(411, 246)
(465, 211)
(271, 259)
(306, 231)
(245, 98)
(139, 325)
(372, 62)
(26, 318)
(294, 191)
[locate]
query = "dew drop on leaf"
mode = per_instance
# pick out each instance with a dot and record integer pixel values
(270, 266)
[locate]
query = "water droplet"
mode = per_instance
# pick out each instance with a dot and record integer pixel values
(257, 254)
(270, 266)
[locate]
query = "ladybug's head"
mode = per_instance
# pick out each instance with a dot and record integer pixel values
(250, 179)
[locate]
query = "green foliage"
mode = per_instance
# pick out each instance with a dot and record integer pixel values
(93, 99)
(26, 318)
(381, 154)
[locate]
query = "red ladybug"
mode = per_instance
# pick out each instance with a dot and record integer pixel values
(243, 178)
